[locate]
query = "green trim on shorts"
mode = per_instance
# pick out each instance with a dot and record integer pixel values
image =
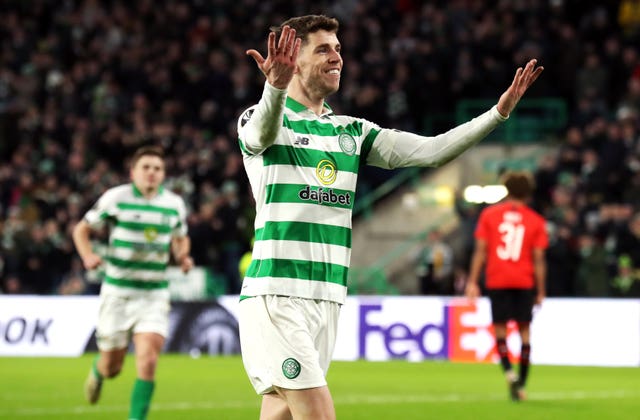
(137, 284)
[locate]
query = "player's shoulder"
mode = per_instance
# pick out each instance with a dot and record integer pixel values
(172, 197)
(246, 115)
(119, 192)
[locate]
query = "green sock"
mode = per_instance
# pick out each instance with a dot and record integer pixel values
(94, 369)
(141, 399)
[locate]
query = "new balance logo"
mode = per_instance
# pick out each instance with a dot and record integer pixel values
(301, 141)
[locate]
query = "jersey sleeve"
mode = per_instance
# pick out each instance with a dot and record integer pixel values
(398, 149)
(258, 126)
(181, 227)
(482, 228)
(541, 239)
(105, 208)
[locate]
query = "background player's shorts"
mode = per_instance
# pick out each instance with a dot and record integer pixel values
(121, 316)
(515, 304)
(287, 341)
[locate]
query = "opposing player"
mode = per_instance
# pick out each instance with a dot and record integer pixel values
(147, 223)
(511, 238)
(302, 161)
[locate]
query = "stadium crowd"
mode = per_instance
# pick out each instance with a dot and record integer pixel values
(83, 83)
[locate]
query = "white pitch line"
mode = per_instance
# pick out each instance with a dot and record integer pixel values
(368, 399)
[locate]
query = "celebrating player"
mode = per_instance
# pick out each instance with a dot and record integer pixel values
(302, 161)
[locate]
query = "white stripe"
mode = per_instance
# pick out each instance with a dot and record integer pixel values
(133, 274)
(146, 216)
(83, 410)
(145, 256)
(296, 250)
(309, 213)
(137, 236)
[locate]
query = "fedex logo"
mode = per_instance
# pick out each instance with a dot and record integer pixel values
(429, 328)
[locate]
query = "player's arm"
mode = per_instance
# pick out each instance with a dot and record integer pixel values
(540, 273)
(396, 149)
(82, 241)
(472, 289)
(258, 130)
(181, 248)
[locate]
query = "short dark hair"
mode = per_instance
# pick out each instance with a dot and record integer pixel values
(305, 25)
(519, 184)
(146, 151)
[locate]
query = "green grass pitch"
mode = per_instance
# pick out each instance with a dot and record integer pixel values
(217, 388)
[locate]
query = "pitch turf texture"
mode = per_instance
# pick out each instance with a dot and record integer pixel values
(217, 388)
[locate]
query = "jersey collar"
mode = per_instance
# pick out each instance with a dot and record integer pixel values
(138, 193)
(296, 106)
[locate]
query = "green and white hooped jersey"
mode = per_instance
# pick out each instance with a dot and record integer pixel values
(303, 170)
(140, 237)
(304, 186)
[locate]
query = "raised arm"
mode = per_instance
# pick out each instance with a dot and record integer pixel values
(396, 149)
(259, 126)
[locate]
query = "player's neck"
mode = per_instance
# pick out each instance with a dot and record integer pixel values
(148, 193)
(304, 96)
(516, 201)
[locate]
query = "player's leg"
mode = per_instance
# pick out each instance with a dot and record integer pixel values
(525, 354)
(147, 350)
(151, 313)
(107, 364)
(274, 407)
(501, 312)
(524, 304)
(300, 334)
(310, 404)
(112, 339)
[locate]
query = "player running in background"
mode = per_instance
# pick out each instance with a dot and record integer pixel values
(302, 162)
(511, 238)
(147, 223)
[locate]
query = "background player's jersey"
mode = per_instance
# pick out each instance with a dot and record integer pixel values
(304, 186)
(511, 232)
(140, 236)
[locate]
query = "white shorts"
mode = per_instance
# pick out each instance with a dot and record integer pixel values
(287, 341)
(121, 316)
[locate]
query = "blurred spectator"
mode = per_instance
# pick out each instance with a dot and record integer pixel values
(434, 266)
(592, 277)
(627, 252)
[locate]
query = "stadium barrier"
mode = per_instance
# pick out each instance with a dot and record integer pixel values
(586, 332)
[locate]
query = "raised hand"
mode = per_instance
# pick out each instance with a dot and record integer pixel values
(280, 63)
(521, 82)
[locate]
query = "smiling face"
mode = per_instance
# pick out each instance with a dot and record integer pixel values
(320, 64)
(147, 174)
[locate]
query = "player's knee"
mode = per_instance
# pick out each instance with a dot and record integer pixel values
(113, 369)
(148, 363)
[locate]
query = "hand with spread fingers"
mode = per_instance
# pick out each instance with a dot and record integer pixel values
(280, 64)
(521, 82)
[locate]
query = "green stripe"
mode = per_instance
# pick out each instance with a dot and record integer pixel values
(289, 155)
(317, 128)
(291, 193)
(367, 144)
(305, 232)
(137, 284)
(146, 207)
(137, 265)
(141, 227)
(141, 246)
(299, 269)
